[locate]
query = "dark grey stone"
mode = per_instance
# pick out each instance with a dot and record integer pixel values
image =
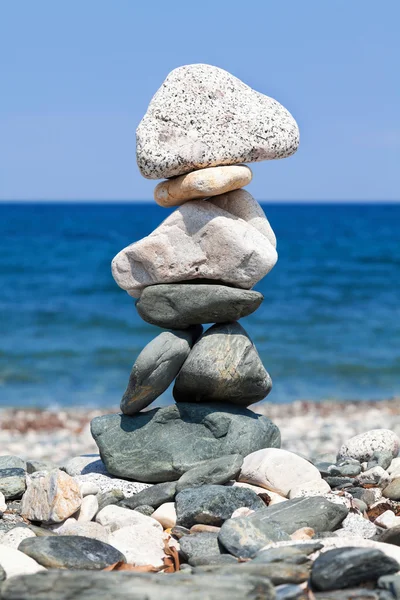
(153, 496)
(161, 444)
(198, 545)
(32, 466)
(213, 504)
(277, 573)
(98, 585)
(179, 305)
(339, 482)
(12, 482)
(345, 468)
(179, 531)
(110, 497)
(324, 468)
(287, 554)
(364, 494)
(380, 458)
(213, 559)
(224, 366)
(345, 567)
(145, 509)
(245, 536)
(216, 471)
(70, 552)
(390, 536)
(8, 461)
(156, 367)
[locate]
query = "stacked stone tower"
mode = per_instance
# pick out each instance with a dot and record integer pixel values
(198, 267)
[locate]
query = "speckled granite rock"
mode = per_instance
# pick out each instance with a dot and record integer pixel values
(203, 116)
(363, 446)
(197, 241)
(179, 305)
(156, 367)
(177, 438)
(224, 366)
(201, 184)
(51, 497)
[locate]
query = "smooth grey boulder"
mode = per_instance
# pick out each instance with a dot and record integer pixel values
(202, 116)
(161, 444)
(198, 545)
(245, 536)
(12, 482)
(213, 504)
(9, 461)
(224, 366)
(156, 367)
(345, 567)
(65, 585)
(216, 471)
(70, 552)
(153, 496)
(179, 305)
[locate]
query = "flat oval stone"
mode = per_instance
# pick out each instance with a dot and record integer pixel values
(156, 367)
(216, 471)
(160, 445)
(224, 366)
(203, 116)
(364, 445)
(71, 552)
(179, 305)
(201, 184)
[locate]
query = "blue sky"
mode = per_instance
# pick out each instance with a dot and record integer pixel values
(77, 76)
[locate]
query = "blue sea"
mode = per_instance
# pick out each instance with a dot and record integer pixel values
(329, 327)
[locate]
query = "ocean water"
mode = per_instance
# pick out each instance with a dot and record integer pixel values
(329, 327)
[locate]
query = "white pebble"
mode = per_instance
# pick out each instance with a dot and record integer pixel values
(88, 488)
(88, 509)
(165, 515)
(14, 536)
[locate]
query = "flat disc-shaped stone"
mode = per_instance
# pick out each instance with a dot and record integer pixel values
(179, 305)
(223, 366)
(202, 116)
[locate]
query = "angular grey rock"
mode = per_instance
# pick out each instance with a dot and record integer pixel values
(179, 305)
(156, 367)
(216, 471)
(153, 496)
(213, 504)
(224, 366)
(202, 116)
(8, 461)
(344, 567)
(70, 552)
(65, 585)
(197, 241)
(245, 536)
(199, 545)
(12, 482)
(161, 444)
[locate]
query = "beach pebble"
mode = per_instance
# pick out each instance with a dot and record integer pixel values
(224, 366)
(88, 509)
(179, 305)
(242, 204)
(32, 466)
(115, 517)
(368, 496)
(12, 482)
(203, 116)
(200, 528)
(85, 464)
(304, 533)
(88, 488)
(213, 504)
(15, 562)
(394, 468)
(141, 543)
(51, 497)
(145, 509)
(392, 490)
(243, 511)
(375, 476)
(3, 504)
(154, 496)
(14, 536)
(156, 367)
(201, 184)
(278, 470)
(363, 446)
(111, 497)
(166, 515)
(9, 461)
(200, 545)
(212, 559)
(177, 438)
(216, 471)
(310, 488)
(197, 241)
(357, 525)
(380, 459)
(387, 520)
(71, 552)
(345, 567)
(391, 536)
(88, 529)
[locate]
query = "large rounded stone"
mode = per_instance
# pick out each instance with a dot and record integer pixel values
(224, 366)
(203, 116)
(201, 184)
(161, 444)
(364, 445)
(156, 367)
(179, 305)
(197, 241)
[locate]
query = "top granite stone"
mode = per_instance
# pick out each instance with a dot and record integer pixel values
(202, 116)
